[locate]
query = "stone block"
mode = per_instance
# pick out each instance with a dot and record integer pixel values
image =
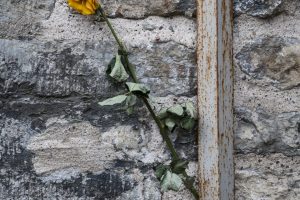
(258, 8)
(272, 60)
(267, 177)
(261, 132)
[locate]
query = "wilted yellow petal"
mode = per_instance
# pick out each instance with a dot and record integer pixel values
(89, 6)
(85, 7)
(94, 4)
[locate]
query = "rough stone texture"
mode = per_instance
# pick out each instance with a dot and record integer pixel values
(21, 19)
(258, 8)
(267, 96)
(264, 8)
(55, 141)
(141, 9)
(272, 60)
(19, 178)
(267, 177)
(260, 132)
(62, 69)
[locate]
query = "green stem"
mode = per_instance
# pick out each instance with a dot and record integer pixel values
(162, 130)
(145, 100)
(120, 43)
(190, 186)
(160, 125)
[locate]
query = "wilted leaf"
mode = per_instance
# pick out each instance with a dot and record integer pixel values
(163, 113)
(110, 65)
(138, 89)
(166, 181)
(187, 123)
(114, 100)
(129, 110)
(160, 171)
(170, 181)
(131, 100)
(116, 69)
(179, 166)
(190, 110)
(176, 110)
(170, 123)
(176, 182)
(132, 69)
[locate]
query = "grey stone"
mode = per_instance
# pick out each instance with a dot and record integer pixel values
(141, 9)
(21, 18)
(258, 8)
(69, 68)
(51, 82)
(274, 60)
(71, 159)
(260, 132)
(57, 143)
(147, 189)
(269, 177)
(20, 179)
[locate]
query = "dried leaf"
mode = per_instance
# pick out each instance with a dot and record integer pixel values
(114, 100)
(138, 89)
(170, 181)
(116, 70)
(190, 110)
(176, 110)
(187, 123)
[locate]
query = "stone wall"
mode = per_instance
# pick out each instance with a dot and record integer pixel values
(267, 99)
(57, 143)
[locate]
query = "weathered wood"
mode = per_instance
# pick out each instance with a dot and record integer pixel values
(215, 98)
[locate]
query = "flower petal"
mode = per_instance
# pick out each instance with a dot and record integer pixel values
(85, 7)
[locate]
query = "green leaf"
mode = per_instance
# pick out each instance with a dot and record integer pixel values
(131, 100)
(176, 182)
(129, 110)
(131, 67)
(116, 69)
(110, 65)
(160, 171)
(170, 181)
(166, 181)
(170, 123)
(114, 100)
(163, 113)
(179, 166)
(138, 89)
(176, 110)
(190, 110)
(187, 123)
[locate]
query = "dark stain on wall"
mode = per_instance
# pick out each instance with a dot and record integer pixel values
(18, 179)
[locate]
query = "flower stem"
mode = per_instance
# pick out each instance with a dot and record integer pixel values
(162, 128)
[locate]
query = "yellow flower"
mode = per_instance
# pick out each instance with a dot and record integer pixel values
(85, 7)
